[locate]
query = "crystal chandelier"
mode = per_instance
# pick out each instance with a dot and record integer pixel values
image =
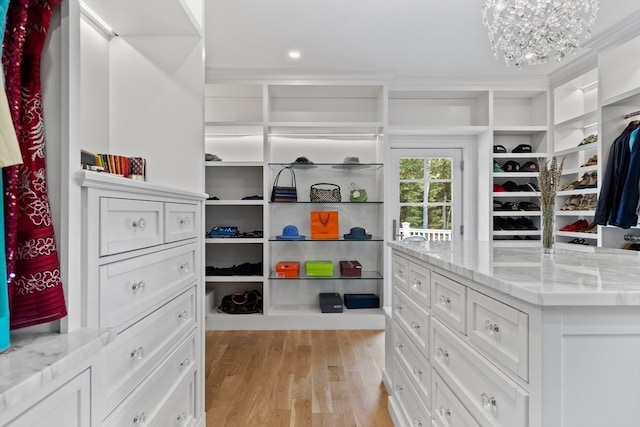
(529, 31)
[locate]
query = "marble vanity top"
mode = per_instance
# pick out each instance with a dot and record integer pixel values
(606, 277)
(34, 360)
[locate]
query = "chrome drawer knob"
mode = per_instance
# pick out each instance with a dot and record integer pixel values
(138, 287)
(415, 325)
(140, 419)
(491, 328)
(185, 363)
(417, 423)
(399, 345)
(139, 224)
(445, 300)
(417, 371)
(488, 402)
(445, 412)
(417, 283)
(182, 418)
(183, 221)
(183, 315)
(184, 267)
(443, 354)
(137, 353)
(398, 307)
(399, 388)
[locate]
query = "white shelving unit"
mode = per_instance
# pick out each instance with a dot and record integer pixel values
(519, 118)
(258, 129)
(576, 118)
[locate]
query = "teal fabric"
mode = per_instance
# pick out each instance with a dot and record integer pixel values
(5, 341)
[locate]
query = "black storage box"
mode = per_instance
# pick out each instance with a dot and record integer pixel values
(330, 302)
(361, 301)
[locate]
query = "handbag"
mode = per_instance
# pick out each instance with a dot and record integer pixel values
(280, 193)
(324, 192)
(246, 302)
(324, 225)
(357, 194)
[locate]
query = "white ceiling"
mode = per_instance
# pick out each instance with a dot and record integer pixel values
(424, 39)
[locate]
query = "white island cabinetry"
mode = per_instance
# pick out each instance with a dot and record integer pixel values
(510, 337)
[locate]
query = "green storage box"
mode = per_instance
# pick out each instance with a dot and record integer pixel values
(319, 268)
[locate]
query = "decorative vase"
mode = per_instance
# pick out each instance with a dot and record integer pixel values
(547, 228)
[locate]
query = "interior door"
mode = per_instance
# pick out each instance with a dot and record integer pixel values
(426, 193)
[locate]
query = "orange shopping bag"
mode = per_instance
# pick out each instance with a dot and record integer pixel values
(324, 224)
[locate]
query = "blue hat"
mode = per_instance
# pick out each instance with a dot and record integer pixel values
(357, 233)
(290, 232)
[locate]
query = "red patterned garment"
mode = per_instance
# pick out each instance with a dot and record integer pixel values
(36, 290)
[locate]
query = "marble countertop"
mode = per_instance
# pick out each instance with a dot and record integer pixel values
(34, 360)
(606, 277)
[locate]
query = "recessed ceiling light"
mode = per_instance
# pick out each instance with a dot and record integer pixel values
(294, 54)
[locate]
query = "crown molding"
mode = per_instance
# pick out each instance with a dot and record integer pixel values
(622, 32)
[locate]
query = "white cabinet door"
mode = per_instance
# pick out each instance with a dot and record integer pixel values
(68, 406)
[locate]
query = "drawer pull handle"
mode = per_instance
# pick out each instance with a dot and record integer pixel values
(491, 328)
(443, 354)
(139, 224)
(445, 412)
(417, 423)
(183, 221)
(399, 388)
(137, 353)
(488, 401)
(417, 371)
(138, 287)
(445, 300)
(398, 307)
(415, 325)
(400, 272)
(140, 419)
(184, 267)
(185, 363)
(183, 315)
(399, 345)
(417, 283)
(182, 418)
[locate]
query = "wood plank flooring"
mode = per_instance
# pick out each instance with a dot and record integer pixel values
(295, 378)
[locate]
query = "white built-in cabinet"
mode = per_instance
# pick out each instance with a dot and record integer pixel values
(135, 92)
(598, 99)
(258, 129)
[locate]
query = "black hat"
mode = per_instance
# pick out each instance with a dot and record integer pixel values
(357, 233)
(522, 148)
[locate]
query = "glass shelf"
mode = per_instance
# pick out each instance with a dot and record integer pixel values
(366, 275)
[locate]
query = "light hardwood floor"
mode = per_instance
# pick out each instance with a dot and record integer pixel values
(295, 378)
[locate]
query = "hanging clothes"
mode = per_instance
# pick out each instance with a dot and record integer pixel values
(13, 43)
(36, 291)
(618, 171)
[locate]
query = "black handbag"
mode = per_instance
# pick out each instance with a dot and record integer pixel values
(285, 194)
(325, 192)
(241, 303)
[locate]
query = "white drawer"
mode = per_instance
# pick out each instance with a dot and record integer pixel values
(500, 330)
(414, 411)
(180, 407)
(448, 301)
(412, 319)
(180, 221)
(141, 407)
(139, 348)
(127, 224)
(419, 284)
(400, 271)
(128, 288)
(447, 409)
(486, 392)
(415, 364)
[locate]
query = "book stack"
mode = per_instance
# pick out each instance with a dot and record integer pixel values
(131, 167)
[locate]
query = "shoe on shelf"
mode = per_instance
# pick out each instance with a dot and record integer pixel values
(591, 228)
(497, 167)
(593, 180)
(511, 166)
(526, 223)
(578, 241)
(589, 140)
(569, 186)
(528, 206)
(584, 181)
(575, 226)
(593, 160)
(572, 203)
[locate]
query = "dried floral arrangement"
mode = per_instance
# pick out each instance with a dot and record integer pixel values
(550, 172)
